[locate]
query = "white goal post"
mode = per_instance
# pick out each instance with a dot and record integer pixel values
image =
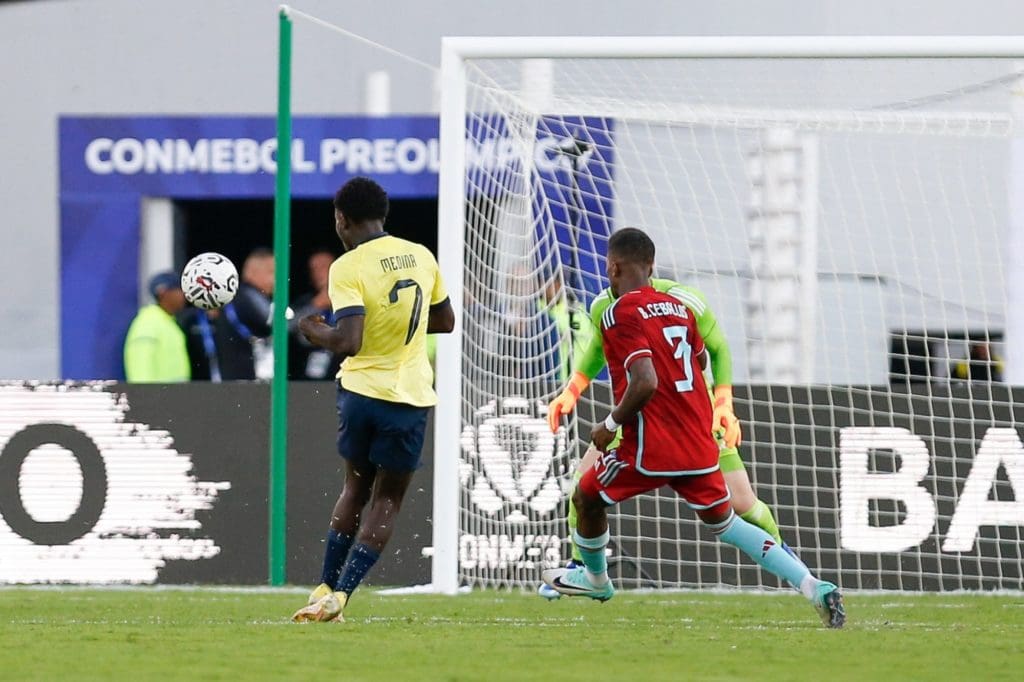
(853, 208)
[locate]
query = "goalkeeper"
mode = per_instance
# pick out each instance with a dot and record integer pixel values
(726, 427)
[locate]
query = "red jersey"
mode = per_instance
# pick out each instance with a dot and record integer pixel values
(671, 435)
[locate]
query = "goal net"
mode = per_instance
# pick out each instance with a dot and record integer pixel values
(851, 224)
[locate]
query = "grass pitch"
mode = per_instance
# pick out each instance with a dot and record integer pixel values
(172, 634)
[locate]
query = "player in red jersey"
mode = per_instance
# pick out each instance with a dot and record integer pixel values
(656, 357)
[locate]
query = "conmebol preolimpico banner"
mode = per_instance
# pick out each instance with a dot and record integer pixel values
(109, 164)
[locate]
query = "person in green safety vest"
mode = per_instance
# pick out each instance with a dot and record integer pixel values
(155, 349)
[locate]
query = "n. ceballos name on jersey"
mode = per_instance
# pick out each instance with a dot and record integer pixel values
(662, 308)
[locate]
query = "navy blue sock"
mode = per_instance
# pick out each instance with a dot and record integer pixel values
(359, 563)
(334, 556)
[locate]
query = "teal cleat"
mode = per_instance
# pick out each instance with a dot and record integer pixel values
(548, 592)
(828, 602)
(573, 582)
(551, 593)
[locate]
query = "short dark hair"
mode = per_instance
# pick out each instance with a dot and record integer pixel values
(633, 245)
(259, 253)
(361, 199)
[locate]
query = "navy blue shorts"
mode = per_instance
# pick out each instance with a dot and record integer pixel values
(384, 434)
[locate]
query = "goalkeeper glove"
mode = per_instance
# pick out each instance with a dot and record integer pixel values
(724, 418)
(566, 400)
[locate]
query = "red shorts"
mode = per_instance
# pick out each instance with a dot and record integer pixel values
(614, 479)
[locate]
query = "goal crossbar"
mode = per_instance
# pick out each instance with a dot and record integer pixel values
(735, 47)
(905, 121)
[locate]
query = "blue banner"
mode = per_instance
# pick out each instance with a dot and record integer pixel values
(577, 190)
(223, 157)
(108, 164)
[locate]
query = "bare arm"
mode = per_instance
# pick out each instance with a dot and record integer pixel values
(441, 319)
(344, 339)
(643, 382)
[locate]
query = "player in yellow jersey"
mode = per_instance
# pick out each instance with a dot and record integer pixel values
(387, 295)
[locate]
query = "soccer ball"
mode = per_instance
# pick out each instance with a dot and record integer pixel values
(209, 281)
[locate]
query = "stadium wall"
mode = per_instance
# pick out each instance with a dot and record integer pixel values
(115, 483)
(121, 483)
(930, 498)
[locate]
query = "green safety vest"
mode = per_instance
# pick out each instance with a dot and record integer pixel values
(155, 350)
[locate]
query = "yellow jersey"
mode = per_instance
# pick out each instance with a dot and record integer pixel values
(393, 282)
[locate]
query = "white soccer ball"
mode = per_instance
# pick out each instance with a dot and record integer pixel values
(209, 281)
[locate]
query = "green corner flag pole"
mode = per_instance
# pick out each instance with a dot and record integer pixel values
(282, 257)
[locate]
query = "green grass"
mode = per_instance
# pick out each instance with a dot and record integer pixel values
(169, 634)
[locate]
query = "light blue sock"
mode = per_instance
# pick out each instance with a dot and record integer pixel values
(594, 559)
(762, 548)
